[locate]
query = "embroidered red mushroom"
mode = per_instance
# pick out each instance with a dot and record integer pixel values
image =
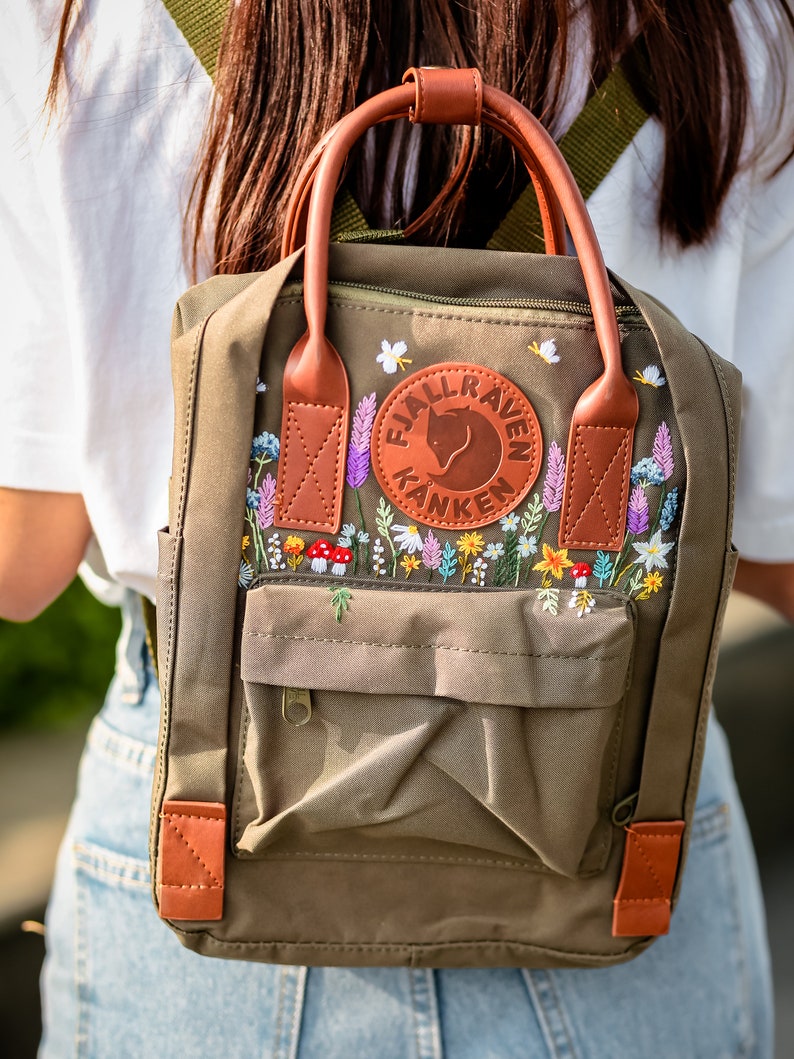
(319, 553)
(340, 558)
(580, 573)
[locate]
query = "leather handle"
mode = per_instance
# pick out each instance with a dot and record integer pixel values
(504, 113)
(599, 446)
(551, 215)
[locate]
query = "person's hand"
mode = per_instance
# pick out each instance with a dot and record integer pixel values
(43, 537)
(772, 583)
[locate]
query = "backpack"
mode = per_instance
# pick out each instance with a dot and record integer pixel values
(439, 600)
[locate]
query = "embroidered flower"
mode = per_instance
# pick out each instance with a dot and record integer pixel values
(650, 583)
(407, 538)
(554, 562)
(669, 509)
(527, 546)
(431, 552)
(362, 537)
(360, 435)
(293, 549)
(650, 376)
(409, 563)
(546, 351)
(647, 472)
(251, 499)
(583, 601)
(393, 357)
(663, 450)
(378, 562)
(265, 444)
(637, 515)
(471, 543)
(319, 553)
(652, 553)
(246, 542)
(555, 478)
(340, 557)
(274, 551)
(580, 573)
(246, 575)
(509, 523)
(261, 387)
(478, 571)
(494, 551)
(266, 509)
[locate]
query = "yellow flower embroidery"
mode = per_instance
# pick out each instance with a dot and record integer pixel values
(294, 545)
(553, 563)
(471, 543)
(409, 563)
(650, 583)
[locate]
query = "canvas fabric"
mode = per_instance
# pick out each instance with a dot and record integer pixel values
(481, 730)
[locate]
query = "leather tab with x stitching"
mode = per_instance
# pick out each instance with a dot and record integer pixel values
(191, 860)
(314, 424)
(598, 467)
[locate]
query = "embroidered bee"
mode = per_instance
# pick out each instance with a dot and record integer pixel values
(393, 357)
(546, 351)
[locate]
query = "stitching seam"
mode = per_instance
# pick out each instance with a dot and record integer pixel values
(211, 874)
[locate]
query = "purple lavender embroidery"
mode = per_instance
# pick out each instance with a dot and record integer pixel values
(637, 518)
(663, 450)
(431, 552)
(555, 478)
(360, 434)
(265, 511)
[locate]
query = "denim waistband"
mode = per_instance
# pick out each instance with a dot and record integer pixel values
(134, 670)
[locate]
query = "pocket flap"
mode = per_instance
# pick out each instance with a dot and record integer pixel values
(498, 647)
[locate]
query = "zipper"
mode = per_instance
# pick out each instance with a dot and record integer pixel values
(343, 287)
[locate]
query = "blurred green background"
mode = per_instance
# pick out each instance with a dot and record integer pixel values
(54, 671)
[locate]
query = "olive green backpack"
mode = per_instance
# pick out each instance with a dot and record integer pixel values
(439, 600)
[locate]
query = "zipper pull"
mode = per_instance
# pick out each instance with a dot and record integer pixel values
(296, 706)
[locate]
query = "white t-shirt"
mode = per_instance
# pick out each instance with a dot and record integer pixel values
(91, 234)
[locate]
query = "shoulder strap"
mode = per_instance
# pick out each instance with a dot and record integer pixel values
(600, 134)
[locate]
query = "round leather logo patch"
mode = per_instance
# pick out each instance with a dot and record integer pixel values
(456, 446)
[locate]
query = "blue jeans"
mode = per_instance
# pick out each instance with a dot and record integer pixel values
(118, 983)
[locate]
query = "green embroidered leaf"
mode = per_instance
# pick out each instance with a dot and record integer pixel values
(384, 517)
(550, 598)
(635, 583)
(530, 520)
(340, 600)
(602, 568)
(449, 560)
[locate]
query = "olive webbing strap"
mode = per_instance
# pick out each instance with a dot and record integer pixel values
(600, 134)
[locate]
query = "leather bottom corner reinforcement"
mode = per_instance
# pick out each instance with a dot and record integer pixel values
(650, 861)
(192, 846)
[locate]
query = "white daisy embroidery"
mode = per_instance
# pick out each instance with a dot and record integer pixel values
(393, 357)
(407, 539)
(546, 351)
(650, 376)
(652, 553)
(261, 387)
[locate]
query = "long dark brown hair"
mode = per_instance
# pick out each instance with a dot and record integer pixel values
(288, 69)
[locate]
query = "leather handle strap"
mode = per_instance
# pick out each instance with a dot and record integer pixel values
(597, 473)
(549, 209)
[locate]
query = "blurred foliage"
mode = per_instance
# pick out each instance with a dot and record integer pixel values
(54, 671)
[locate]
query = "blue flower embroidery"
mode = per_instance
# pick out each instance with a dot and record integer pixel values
(265, 444)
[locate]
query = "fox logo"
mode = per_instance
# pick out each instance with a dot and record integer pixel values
(467, 446)
(456, 446)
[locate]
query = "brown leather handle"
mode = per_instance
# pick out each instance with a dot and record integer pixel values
(551, 215)
(504, 113)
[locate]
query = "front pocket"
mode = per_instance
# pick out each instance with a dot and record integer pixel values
(443, 723)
